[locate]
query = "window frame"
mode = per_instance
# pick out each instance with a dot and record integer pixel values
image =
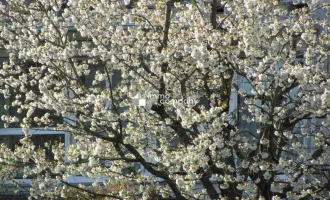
(33, 131)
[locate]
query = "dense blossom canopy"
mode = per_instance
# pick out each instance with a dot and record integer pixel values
(269, 56)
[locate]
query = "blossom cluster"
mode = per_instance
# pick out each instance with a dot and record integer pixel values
(258, 67)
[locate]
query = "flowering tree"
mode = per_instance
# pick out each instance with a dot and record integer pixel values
(177, 146)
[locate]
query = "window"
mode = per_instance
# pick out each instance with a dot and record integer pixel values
(243, 115)
(295, 4)
(327, 67)
(11, 137)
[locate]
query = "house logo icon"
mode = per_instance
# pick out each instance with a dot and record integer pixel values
(137, 100)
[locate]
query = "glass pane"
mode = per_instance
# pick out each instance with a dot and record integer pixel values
(88, 80)
(20, 96)
(116, 78)
(12, 141)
